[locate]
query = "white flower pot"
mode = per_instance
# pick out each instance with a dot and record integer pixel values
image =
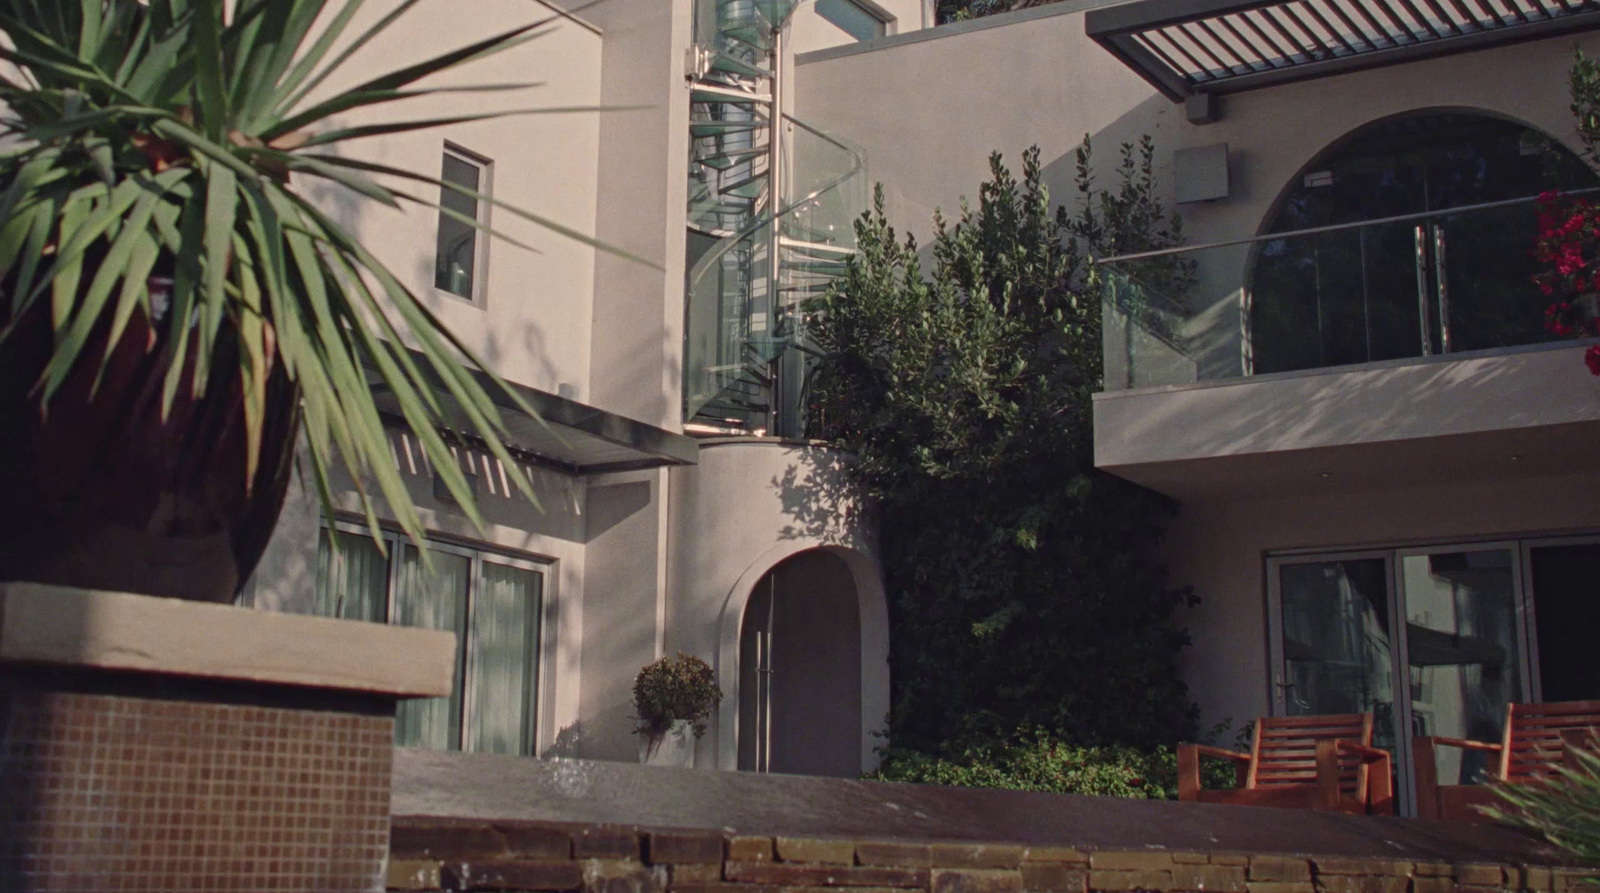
(675, 748)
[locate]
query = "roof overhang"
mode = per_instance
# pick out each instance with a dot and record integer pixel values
(564, 434)
(1185, 47)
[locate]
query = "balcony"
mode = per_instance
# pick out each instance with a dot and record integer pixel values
(1382, 352)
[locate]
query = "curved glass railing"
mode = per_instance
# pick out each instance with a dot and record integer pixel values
(770, 223)
(1402, 287)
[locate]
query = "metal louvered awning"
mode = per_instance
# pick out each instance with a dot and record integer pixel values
(1184, 47)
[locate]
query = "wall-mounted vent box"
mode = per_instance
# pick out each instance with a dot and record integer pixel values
(1201, 173)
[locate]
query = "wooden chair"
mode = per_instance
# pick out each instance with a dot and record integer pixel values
(1304, 762)
(1537, 738)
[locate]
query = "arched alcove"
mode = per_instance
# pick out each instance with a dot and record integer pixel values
(1441, 264)
(800, 670)
(803, 660)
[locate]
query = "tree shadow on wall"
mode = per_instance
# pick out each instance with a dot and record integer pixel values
(821, 500)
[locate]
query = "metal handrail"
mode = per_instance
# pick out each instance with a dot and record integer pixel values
(1336, 227)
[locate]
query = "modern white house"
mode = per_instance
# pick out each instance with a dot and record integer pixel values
(1384, 469)
(673, 514)
(1385, 477)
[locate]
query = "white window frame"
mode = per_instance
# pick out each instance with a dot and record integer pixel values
(480, 237)
(395, 542)
(887, 21)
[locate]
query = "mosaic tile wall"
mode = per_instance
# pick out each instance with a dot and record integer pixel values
(112, 792)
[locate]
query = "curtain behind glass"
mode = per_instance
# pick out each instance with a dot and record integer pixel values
(505, 635)
(436, 600)
(352, 580)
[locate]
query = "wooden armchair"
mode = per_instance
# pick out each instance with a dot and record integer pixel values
(1537, 738)
(1304, 762)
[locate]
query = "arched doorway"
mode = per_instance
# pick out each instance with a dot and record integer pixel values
(800, 666)
(1452, 274)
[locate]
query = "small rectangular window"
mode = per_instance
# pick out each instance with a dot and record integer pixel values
(493, 603)
(852, 18)
(458, 266)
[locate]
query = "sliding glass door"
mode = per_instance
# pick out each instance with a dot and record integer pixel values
(493, 603)
(1335, 651)
(1431, 641)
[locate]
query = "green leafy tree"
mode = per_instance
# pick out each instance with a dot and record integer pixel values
(1026, 592)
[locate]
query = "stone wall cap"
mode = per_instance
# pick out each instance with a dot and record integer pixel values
(69, 627)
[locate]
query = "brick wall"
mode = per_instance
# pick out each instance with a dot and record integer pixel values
(527, 856)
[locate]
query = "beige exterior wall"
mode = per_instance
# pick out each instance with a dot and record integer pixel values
(639, 563)
(1221, 548)
(637, 342)
(747, 507)
(930, 107)
(533, 324)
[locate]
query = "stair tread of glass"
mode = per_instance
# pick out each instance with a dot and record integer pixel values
(724, 62)
(726, 95)
(724, 160)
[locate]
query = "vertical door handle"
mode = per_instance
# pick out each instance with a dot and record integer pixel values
(1283, 693)
(1421, 240)
(1442, 289)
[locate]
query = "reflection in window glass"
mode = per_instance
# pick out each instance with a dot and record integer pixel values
(1336, 643)
(1461, 643)
(850, 18)
(1373, 293)
(457, 253)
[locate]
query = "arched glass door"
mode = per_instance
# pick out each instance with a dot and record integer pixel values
(1456, 278)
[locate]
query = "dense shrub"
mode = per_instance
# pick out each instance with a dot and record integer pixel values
(1041, 762)
(1025, 586)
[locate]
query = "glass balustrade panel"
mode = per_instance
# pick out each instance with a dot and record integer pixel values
(1394, 290)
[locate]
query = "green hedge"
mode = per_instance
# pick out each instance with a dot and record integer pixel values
(1041, 762)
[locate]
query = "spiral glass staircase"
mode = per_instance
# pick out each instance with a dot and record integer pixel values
(772, 202)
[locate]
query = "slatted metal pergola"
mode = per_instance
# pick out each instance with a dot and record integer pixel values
(1187, 47)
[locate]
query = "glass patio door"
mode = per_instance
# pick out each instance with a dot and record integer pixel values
(1335, 649)
(1458, 659)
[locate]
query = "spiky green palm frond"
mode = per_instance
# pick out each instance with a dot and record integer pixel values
(1564, 807)
(171, 137)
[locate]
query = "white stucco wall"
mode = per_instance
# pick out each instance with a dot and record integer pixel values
(636, 345)
(624, 592)
(930, 107)
(1220, 547)
(533, 324)
(746, 507)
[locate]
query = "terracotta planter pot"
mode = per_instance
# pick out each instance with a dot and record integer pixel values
(99, 492)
